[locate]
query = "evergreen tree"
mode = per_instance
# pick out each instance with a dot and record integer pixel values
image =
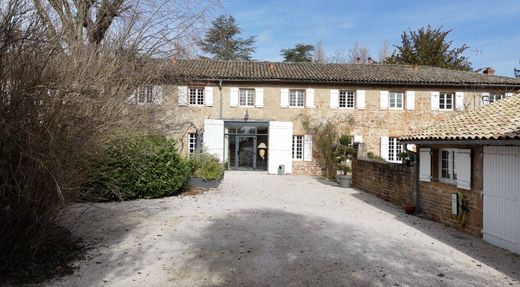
(428, 46)
(222, 43)
(300, 53)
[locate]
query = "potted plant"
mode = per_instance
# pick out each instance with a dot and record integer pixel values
(409, 207)
(207, 171)
(344, 152)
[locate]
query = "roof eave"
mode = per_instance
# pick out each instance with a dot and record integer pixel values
(461, 142)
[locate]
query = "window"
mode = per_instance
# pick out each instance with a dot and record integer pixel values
(145, 95)
(394, 149)
(395, 100)
(346, 99)
(196, 96)
(446, 101)
(192, 142)
(296, 98)
(495, 97)
(448, 170)
(247, 97)
(297, 147)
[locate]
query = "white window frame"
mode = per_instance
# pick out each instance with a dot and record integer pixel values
(192, 142)
(443, 97)
(493, 97)
(394, 149)
(347, 100)
(196, 96)
(394, 96)
(246, 97)
(144, 95)
(451, 168)
(297, 147)
(296, 98)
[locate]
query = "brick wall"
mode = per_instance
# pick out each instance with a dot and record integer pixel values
(307, 168)
(389, 181)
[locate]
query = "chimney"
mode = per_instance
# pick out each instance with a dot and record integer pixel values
(358, 60)
(370, 61)
(489, 71)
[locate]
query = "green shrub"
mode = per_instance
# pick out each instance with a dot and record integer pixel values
(206, 166)
(139, 166)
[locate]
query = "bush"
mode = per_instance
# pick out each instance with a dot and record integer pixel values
(139, 166)
(206, 166)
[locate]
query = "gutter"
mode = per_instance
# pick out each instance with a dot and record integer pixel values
(463, 142)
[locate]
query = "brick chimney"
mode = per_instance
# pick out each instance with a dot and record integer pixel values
(370, 61)
(489, 71)
(358, 60)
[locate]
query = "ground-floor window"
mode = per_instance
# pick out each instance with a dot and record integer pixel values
(448, 170)
(395, 148)
(192, 142)
(297, 147)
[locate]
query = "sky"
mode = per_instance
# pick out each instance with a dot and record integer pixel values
(491, 28)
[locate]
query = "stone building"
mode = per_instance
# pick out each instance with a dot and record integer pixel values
(249, 114)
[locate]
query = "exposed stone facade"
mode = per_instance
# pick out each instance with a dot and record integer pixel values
(306, 168)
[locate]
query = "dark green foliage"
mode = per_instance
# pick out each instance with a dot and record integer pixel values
(139, 166)
(344, 150)
(428, 46)
(206, 166)
(300, 53)
(222, 43)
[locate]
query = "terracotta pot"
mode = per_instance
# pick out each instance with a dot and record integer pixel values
(409, 209)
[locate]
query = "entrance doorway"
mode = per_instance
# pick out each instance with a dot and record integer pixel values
(246, 145)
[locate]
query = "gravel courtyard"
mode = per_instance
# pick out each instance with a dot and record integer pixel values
(261, 230)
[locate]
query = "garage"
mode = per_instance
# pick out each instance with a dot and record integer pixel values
(502, 196)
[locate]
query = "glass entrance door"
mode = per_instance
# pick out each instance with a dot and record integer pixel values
(245, 152)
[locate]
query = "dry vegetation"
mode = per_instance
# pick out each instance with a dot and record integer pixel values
(67, 69)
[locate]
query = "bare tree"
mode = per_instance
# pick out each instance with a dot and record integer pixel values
(384, 51)
(339, 57)
(358, 54)
(319, 53)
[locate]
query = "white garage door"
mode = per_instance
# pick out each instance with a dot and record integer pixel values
(502, 196)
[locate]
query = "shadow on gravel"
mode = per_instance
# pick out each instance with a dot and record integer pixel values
(497, 258)
(267, 247)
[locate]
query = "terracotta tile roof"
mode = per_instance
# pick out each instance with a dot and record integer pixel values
(334, 73)
(496, 121)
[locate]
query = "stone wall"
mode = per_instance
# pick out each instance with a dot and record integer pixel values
(307, 168)
(390, 181)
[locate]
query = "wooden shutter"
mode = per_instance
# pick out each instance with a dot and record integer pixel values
(284, 98)
(334, 99)
(459, 101)
(410, 100)
(358, 138)
(485, 98)
(280, 146)
(383, 100)
(208, 96)
(214, 138)
(157, 95)
(182, 94)
(309, 98)
(360, 99)
(307, 148)
(425, 164)
(384, 147)
(435, 101)
(233, 97)
(259, 97)
(463, 168)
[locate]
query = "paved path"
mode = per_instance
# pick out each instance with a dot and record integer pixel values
(260, 230)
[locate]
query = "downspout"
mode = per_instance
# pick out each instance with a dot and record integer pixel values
(415, 175)
(221, 95)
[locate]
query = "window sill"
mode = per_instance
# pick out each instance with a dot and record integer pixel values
(396, 109)
(293, 107)
(346, 108)
(448, 181)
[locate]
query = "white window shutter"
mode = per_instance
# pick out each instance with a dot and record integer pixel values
(463, 168)
(309, 98)
(384, 147)
(233, 97)
(307, 148)
(383, 100)
(157, 95)
(182, 94)
(485, 98)
(410, 100)
(208, 96)
(459, 101)
(358, 138)
(435, 101)
(259, 97)
(334, 99)
(360, 99)
(132, 99)
(425, 164)
(284, 98)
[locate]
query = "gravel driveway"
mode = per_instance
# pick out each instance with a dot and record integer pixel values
(261, 230)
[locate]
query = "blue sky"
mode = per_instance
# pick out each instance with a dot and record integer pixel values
(492, 27)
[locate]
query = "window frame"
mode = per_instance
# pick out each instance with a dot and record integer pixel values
(444, 95)
(296, 91)
(297, 139)
(451, 168)
(347, 94)
(394, 93)
(395, 147)
(144, 95)
(199, 99)
(492, 98)
(247, 94)
(192, 143)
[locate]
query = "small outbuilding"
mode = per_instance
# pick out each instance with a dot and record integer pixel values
(469, 171)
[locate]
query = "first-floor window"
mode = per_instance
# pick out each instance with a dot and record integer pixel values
(247, 97)
(145, 95)
(495, 97)
(196, 96)
(448, 170)
(395, 148)
(395, 100)
(297, 147)
(296, 98)
(446, 101)
(346, 99)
